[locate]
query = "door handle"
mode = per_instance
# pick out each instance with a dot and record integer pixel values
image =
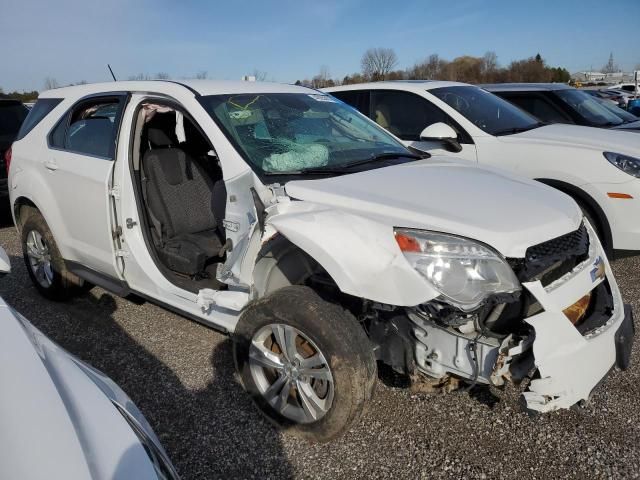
(50, 164)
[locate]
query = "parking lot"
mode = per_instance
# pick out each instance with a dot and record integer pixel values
(181, 376)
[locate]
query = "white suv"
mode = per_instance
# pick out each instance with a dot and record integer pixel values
(598, 168)
(283, 216)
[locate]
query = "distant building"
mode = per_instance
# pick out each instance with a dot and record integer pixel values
(249, 78)
(597, 77)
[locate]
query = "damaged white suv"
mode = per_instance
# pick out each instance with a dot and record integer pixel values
(291, 221)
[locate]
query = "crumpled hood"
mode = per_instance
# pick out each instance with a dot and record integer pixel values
(506, 212)
(602, 139)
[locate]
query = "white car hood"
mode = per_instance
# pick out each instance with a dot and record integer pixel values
(55, 421)
(506, 212)
(602, 139)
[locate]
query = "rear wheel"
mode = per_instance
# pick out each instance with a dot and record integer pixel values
(307, 363)
(45, 265)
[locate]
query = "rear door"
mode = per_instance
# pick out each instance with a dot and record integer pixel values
(79, 162)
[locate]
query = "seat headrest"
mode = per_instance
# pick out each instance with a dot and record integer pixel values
(158, 138)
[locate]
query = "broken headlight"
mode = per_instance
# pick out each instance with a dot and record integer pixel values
(465, 272)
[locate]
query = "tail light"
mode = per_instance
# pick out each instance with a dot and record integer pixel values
(7, 159)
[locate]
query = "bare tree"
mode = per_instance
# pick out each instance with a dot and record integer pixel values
(323, 79)
(259, 75)
(162, 76)
(610, 66)
(376, 63)
(140, 76)
(50, 83)
(201, 75)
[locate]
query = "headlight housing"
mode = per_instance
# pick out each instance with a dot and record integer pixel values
(465, 272)
(626, 163)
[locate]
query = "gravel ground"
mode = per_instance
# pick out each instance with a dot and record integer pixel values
(181, 376)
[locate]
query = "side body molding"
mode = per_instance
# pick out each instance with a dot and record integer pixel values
(360, 254)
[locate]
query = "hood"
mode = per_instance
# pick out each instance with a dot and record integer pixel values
(55, 422)
(506, 212)
(601, 139)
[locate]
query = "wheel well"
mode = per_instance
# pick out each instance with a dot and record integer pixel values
(281, 263)
(20, 209)
(586, 202)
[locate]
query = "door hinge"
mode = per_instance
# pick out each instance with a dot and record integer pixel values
(115, 192)
(122, 253)
(116, 232)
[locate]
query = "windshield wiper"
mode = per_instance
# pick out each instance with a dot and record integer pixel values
(332, 169)
(510, 131)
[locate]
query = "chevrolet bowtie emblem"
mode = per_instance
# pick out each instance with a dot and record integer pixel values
(598, 272)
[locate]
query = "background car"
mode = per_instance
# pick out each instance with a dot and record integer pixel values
(61, 418)
(12, 114)
(615, 97)
(559, 103)
(599, 168)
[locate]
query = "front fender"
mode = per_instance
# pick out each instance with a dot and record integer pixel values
(359, 254)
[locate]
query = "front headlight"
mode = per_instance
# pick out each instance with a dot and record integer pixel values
(627, 164)
(463, 271)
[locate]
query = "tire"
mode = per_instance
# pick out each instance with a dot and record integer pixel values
(45, 265)
(344, 371)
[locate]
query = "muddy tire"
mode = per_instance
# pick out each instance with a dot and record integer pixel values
(307, 363)
(45, 265)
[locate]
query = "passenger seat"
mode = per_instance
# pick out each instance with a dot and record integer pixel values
(179, 196)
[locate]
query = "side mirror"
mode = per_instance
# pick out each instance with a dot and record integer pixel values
(441, 132)
(5, 264)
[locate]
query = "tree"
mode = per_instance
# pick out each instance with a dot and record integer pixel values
(376, 63)
(610, 66)
(50, 83)
(201, 75)
(140, 76)
(323, 79)
(430, 69)
(162, 76)
(259, 75)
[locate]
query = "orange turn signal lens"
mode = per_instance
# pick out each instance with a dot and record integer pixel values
(576, 312)
(618, 195)
(407, 243)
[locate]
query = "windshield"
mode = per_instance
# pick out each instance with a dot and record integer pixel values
(588, 108)
(623, 114)
(285, 132)
(485, 110)
(11, 117)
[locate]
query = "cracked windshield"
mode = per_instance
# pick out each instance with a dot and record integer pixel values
(292, 132)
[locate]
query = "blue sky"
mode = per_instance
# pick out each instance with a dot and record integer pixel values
(72, 40)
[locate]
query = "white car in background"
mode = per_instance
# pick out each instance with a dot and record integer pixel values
(284, 217)
(62, 419)
(598, 168)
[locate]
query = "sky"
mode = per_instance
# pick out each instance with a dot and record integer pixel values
(73, 40)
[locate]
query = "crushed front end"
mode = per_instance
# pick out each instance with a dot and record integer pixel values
(564, 330)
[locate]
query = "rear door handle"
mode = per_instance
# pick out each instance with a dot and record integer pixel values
(50, 164)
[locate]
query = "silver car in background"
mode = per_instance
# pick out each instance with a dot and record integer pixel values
(62, 419)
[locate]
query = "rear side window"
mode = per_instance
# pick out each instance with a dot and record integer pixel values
(41, 109)
(12, 114)
(89, 128)
(358, 99)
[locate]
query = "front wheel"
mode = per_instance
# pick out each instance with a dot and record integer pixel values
(307, 363)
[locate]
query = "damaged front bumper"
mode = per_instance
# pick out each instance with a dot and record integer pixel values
(565, 361)
(570, 363)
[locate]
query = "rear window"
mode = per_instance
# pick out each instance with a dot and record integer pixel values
(40, 110)
(11, 117)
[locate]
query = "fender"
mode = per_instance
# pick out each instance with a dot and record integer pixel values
(583, 197)
(360, 254)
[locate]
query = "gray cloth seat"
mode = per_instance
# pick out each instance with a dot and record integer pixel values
(180, 198)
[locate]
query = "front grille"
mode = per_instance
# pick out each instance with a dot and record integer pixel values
(550, 260)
